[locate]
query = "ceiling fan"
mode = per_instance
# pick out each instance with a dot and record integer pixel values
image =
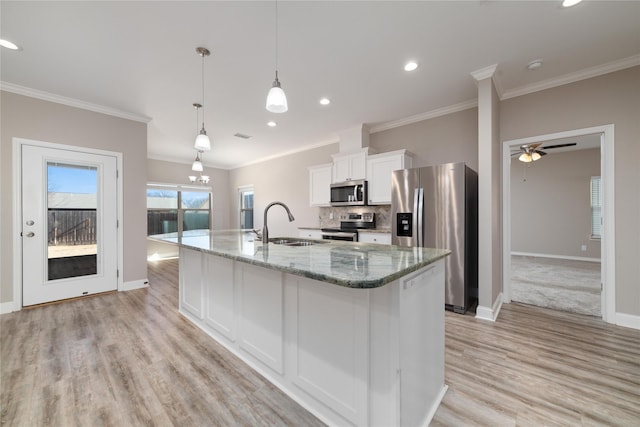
(530, 152)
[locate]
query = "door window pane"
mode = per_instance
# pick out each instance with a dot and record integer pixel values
(162, 199)
(246, 209)
(162, 221)
(71, 220)
(194, 200)
(195, 220)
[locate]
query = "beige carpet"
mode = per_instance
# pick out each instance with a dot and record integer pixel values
(565, 285)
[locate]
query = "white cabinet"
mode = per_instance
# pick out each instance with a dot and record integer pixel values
(353, 356)
(349, 167)
(319, 185)
(379, 168)
(191, 289)
(310, 234)
(380, 238)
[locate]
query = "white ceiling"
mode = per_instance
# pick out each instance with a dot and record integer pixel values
(139, 57)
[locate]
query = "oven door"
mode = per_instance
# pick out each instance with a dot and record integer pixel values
(348, 236)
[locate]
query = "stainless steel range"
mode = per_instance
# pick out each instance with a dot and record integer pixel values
(349, 225)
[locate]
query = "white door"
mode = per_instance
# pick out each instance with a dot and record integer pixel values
(69, 224)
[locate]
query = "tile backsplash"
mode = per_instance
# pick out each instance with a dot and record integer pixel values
(382, 213)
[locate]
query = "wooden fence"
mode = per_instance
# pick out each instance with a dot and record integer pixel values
(160, 221)
(72, 227)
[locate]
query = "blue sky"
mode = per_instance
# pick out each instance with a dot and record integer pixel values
(69, 179)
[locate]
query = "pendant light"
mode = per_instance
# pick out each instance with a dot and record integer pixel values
(202, 140)
(197, 163)
(276, 99)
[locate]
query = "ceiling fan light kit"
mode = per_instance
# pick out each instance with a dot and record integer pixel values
(528, 153)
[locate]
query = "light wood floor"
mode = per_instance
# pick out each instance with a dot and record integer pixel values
(130, 359)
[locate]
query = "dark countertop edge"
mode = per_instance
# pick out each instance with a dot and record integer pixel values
(374, 230)
(360, 230)
(361, 284)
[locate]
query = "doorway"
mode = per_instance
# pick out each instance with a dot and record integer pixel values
(67, 217)
(606, 273)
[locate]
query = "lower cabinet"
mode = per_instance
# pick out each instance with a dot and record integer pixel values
(309, 234)
(381, 238)
(191, 286)
(353, 357)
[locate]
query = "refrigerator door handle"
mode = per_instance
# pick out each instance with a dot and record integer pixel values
(420, 213)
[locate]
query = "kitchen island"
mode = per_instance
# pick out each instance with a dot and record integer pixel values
(353, 332)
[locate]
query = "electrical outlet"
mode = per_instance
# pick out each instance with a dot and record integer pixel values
(330, 215)
(583, 248)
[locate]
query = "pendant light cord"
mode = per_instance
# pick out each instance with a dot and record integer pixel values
(202, 54)
(276, 38)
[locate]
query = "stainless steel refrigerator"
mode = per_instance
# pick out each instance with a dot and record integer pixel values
(437, 207)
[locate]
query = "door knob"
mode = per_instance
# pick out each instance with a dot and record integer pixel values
(29, 234)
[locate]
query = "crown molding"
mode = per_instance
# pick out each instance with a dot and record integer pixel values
(71, 102)
(425, 116)
(587, 73)
(287, 153)
(484, 73)
(489, 72)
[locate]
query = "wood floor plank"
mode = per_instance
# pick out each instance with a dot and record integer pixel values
(131, 359)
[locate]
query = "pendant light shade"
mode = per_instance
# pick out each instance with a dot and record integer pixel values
(276, 98)
(202, 140)
(197, 164)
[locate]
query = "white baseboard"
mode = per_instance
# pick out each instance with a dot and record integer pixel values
(135, 284)
(490, 314)
(7, 307)
(572, 258)
(628, 320)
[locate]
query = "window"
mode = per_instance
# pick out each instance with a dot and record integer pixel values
(246, 207)
(172, 208)
(596, 208)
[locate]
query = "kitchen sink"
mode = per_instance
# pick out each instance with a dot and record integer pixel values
(294, 242)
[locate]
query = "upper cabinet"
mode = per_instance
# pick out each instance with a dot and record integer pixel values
(349, 167)
(319, 185)
(379, 168)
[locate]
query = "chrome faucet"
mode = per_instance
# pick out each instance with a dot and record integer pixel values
(265, 230)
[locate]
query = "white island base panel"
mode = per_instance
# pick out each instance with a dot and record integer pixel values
(362, 357)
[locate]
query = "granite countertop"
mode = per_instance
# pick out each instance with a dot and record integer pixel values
(349, 264)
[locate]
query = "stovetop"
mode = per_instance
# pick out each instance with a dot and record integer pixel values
(352, 222)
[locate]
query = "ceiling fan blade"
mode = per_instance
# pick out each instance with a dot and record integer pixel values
(530, 146)
(560, 145)
(542, 153)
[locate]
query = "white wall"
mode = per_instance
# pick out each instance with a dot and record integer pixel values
(177, 173)
(445, 139)
(285, 179)
(551, 204)
(31, 118)
(609, 99)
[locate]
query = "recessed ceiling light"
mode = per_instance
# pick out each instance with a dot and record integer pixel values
(325, 101)
(569, 3)
(9, 45)
(272, 124)
(410, 66)
(534, 65)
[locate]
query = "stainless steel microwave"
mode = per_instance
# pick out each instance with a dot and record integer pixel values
(350, 193)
